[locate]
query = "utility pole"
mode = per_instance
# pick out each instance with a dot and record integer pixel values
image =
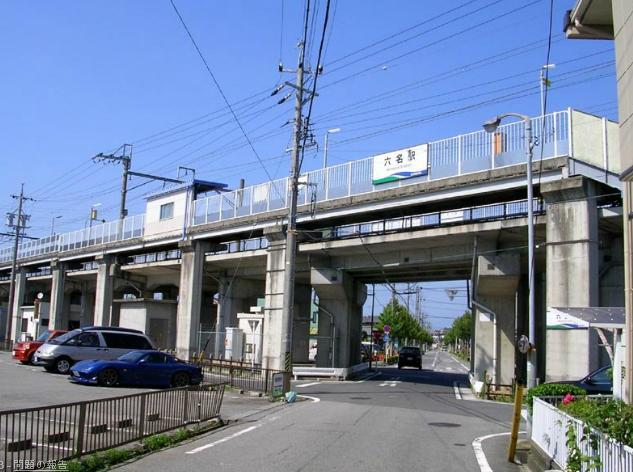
(291, 231)
(125, 159)
(20, 223)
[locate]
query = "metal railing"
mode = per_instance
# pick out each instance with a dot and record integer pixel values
(244, 376)
(463, 154)
(169, 255)
(112, 231)
(59, 432)
(549, 428)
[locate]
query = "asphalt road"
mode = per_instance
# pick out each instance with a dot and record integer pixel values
(395, 420)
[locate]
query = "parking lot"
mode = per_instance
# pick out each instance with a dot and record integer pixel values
(26, 386)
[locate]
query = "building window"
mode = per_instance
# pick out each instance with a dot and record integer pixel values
(167, 211)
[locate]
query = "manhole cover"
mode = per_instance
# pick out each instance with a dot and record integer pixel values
(360, 398)
(445, 425)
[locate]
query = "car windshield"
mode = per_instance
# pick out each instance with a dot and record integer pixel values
(133, 356)
(410, 350)
(64, 337)
(44, 336)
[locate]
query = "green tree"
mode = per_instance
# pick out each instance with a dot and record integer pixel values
(460, 329)
(403, 325)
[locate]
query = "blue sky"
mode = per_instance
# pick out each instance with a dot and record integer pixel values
(81, 78)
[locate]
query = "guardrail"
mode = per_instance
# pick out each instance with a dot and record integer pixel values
(242, 376)
(60, 432)
(549, 428)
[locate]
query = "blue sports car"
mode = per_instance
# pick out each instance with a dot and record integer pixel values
(147, 368)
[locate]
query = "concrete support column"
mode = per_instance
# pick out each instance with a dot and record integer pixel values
(301, 324)
(494, 312)
(189, 297)
(572, 268)
(87, 306)
(273, 355)
(341, 303)
(235, 296)
(58, 315)
(18, 300)
(104, 291)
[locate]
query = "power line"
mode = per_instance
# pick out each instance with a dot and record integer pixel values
(226, 101)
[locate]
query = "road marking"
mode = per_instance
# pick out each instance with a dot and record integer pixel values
(458, 394)
(367, 378)
(314, 399)
(479, 450)
(223, 440)
(308, 384)
(435, 361)
(389, 383)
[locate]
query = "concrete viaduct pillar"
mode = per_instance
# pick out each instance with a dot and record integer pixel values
(494, 317)
(19, 291)
(341, 302)
(272, 349)
(235, 296)
(572, 267)
(189, 297)
(104, 291)
(58, 316)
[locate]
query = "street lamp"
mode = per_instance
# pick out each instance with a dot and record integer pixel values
(53, 224)
(491, 126)
(327, 134)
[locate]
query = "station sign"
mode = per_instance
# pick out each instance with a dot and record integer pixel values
(402, 164)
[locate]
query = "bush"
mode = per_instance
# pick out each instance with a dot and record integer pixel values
(552, 390)
(392, 360)
(612, 417)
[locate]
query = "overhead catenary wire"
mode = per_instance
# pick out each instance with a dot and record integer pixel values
(219, 88)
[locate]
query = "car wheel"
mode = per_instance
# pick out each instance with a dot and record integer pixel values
(62, 365)
(30, 359)
(180, 379)
(108, 378)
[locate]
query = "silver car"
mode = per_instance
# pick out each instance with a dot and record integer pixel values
(102, 343)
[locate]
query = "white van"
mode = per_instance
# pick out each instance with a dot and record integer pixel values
(95, 342)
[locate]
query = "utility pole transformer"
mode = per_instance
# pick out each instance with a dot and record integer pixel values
(20, 223)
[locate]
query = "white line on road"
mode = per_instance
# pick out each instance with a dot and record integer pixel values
(308, 384)
(367, 378)
(479, 450)
(435, 360)
(223, 440)
(458, 394)
(314, 399)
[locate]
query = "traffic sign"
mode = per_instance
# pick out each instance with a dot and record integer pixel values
(524, 344)
(387, 329)
(385, 338)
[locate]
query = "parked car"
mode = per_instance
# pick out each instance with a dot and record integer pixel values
(410, 356)
(95, 342)
(599, 381)
(153, 368)
(23, 351)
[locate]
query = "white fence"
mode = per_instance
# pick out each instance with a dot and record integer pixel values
(549, 428)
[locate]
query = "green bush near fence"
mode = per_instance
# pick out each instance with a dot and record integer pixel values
(552, 390)
(104, 460)
(612, 417)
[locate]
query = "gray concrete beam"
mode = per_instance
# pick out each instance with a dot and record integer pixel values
(58, 315)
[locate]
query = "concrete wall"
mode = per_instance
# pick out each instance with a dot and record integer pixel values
(144, 315)
(567, 354)
(153, 223)
(589, 133)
